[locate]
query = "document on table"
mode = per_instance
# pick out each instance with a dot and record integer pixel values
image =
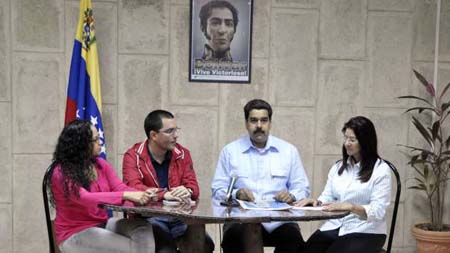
(264, 205)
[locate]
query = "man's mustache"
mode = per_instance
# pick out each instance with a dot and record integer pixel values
(259, 130)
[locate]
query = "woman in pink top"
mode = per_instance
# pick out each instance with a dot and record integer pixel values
(80, 181)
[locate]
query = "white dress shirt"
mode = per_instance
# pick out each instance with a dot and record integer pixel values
(374, 195)
(264, 171)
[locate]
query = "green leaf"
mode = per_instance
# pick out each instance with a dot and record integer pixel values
(423, 131)
(417, 188)
(419, 181)
(435, 131)
(445, 106)
(425, 173)
(417, 149)
(444, 91)
(421, 78)
(417, 98)
(421, 109)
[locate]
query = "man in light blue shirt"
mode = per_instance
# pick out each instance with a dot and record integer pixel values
(267, 168)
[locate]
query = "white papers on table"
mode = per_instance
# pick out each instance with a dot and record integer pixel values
(264, 205)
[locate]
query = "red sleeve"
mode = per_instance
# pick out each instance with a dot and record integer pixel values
(189, 179)
(131, 175)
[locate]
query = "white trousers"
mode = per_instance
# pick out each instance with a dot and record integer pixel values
(119, 236)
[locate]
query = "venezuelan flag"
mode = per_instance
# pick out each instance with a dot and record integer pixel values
(84, 100)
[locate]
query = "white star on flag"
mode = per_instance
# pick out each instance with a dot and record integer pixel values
(78, 114)
(94, 120)
(100, 133)
(103, 149)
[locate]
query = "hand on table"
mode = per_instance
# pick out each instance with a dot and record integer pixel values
(284, 196)
(338, 206)
(245, 194)
(180, 196)
(307, 202)
(138, 197)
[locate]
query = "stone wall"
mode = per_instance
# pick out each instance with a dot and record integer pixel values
(317, 62)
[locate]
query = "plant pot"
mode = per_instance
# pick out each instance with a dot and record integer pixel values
(431, 241)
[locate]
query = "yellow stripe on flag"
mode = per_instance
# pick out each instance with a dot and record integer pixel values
(89, 48)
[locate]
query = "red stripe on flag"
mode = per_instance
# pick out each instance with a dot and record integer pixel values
(71, 111)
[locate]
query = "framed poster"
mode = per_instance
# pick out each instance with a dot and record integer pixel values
(220, 41)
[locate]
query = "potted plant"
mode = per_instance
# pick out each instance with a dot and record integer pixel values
(432, 164)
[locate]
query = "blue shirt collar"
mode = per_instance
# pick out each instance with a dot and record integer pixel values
(270, 145)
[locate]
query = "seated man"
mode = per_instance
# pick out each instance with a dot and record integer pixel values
(267, 168)
(160, 162)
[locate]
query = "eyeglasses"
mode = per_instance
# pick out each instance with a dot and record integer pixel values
(352, 140)
(96, 139)
(170, 130)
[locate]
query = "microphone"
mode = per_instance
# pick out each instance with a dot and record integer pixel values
(228, 201)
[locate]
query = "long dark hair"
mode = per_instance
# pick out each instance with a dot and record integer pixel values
(73, 153)
(367, 137)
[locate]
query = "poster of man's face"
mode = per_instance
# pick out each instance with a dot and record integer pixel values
(220, 40)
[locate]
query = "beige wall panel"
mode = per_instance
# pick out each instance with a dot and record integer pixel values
(215, 230)
(424, 44)
(181, 91)
(30, 231)
(416, 211)
(119, 166)
(343, 29)
(391, 5)
(386, 31)
(144, 26)
(71, 22)
(400, 229)
(180, 2)
(141, 79)
(5, 87)
(6, 228)
(5, 153)
(233, 99)
(319, 177)
(293, 63)
(296, 126)
(198, 130)
(341, 90)
(36, 79)
(109, 118)
(38, 25)
(105, 15)
(295, 3)
(391, 126)
(261, 29)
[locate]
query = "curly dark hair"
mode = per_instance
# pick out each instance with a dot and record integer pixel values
(73, 153)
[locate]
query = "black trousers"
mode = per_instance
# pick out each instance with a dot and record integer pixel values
(165, 243)
(286, 238)
(330, 242)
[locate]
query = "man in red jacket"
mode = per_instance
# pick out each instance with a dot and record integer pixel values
(160, 162)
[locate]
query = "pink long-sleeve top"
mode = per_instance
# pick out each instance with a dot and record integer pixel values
(76, 214)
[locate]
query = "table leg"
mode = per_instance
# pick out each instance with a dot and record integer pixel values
(193, 241)
(253, 238)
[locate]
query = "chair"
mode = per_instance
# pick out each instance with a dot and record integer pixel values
(53, 248)
(396, 203)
